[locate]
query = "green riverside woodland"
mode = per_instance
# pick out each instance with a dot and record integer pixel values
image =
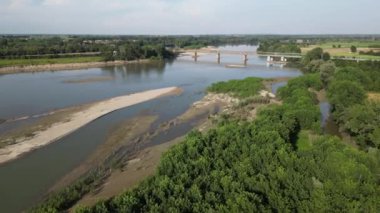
(280, 161)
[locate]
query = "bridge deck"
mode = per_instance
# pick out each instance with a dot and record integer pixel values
(234, 52)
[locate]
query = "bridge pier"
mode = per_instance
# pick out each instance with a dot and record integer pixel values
(195, 56)
(218, 58)
(245, 59)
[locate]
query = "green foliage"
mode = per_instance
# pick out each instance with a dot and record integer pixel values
(356, 116)
(239, 88)
(302, 82)
(313, 66)
(33, 46)
(276, 46)
(303, 142)
(258, 167)
(327, 71)
(345, 93)
(353, 49)
(368, 71)
(315, 54)
(354, 75)
(363, 122)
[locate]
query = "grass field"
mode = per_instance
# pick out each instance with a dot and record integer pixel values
(43, 61)
(345, 51)
(348, 44)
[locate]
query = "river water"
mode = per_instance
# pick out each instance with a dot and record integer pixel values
(24, 181)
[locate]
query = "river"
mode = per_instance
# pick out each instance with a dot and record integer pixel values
(24, 181)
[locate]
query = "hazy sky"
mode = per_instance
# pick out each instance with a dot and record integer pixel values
(190, 16)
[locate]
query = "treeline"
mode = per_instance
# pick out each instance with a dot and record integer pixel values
(278, 162)
(28, 46)
(136, 50)
(25, 47)
(371, 52)
(347, 84)
(277, 46)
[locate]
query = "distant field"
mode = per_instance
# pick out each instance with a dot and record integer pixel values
(348, 44)
(42, 61)
(373, 96)
(345, 50)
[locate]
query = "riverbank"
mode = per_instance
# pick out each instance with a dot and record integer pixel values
(76, 120)
(65, 66)
(143, 163)
(213, 108)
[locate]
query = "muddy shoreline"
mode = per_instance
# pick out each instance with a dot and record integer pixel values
(69, 66)
(57, 129)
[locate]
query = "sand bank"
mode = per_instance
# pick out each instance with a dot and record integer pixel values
(69, 66)
(77, 120)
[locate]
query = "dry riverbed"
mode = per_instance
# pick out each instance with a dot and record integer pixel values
(68, 121)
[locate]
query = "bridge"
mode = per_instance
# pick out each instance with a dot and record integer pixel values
(272, 57)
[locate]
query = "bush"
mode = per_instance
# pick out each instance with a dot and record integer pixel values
(239, 88)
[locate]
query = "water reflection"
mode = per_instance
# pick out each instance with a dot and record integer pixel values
(135, 71)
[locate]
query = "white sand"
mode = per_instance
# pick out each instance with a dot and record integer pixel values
(77, 120)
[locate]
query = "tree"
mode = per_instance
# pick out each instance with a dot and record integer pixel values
(327, 71)
(314, 54)
(314, 66)
(326, 56)
(345, 93)
(353, 49)
(353, 74)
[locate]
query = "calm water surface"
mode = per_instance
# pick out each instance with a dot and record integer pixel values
(25, 180)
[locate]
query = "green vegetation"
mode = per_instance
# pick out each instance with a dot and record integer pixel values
(348, 96)
(36, 50)
(277, 46)
(315, 54)
(238, 88)
(353, 49)
(135, 50)
(347, 84)
(370, 53)
(278, 162)
(41, 61)
(347, 43)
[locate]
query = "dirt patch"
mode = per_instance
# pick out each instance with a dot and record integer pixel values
(374, 96)
(321, 95)
(89, 80)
